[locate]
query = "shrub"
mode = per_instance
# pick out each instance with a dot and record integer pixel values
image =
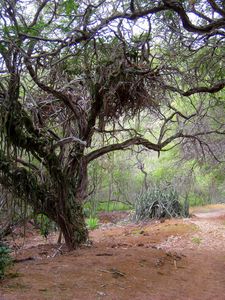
(196, 200)
(157, 202)
(113, 206)
(44, 224)
(92, 223)
(5, 260)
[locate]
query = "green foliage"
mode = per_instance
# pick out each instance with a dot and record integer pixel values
(117, 181)
(44, 224)
(196, 240)
(196, 200)
(86, 210)
(157, 202)
(113, 206)
(5, 260)
(91, 208)
(163, 168)
(70, 7)
(92, 223)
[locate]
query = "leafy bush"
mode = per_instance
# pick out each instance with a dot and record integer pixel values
(91, 208)
(196, 200)
(157, 203)
(5, 259)
(92, 223)
(86, 211)
(113, 206)
(44, 224)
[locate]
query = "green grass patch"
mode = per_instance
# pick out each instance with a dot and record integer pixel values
(92, 223)
(91, 209)
(113, 206)
(196, 240)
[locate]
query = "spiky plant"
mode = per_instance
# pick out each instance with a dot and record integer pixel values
(157, 202)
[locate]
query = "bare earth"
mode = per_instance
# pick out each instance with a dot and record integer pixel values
(175, 259)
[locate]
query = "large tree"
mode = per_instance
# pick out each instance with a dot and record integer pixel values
(72, 71)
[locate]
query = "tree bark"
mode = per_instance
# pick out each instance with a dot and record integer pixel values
(57, 199)
(67, 212)
(72, 224)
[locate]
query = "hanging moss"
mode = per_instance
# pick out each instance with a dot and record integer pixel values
(22, 134)
(24, 184)
(47, 190)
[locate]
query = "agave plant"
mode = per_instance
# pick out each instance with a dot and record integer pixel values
(157, 202)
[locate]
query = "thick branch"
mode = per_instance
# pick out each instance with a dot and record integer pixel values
(39, 10)
(216, 8)
(213, 89)
(27, 164)
(121, 146)
(178, 8)
(67, 140)
(198, 89)
(131, 142)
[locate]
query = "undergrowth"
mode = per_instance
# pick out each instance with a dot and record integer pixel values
(92, 223)
(5, 260)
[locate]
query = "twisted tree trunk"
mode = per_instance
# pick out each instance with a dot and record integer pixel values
(57, 198)
(72, 225)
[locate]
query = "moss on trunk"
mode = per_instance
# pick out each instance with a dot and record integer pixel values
(72, 224)
(55, 199)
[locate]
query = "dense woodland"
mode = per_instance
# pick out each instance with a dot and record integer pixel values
(102, 101)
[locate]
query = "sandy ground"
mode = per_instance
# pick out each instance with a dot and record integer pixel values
(175, 259)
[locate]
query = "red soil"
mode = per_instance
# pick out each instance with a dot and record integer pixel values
(176, 259)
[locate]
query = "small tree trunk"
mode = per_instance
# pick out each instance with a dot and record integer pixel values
(59, 241)
(186, 206)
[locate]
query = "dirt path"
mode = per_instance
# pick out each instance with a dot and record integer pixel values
(210, 233)
(176, 259)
